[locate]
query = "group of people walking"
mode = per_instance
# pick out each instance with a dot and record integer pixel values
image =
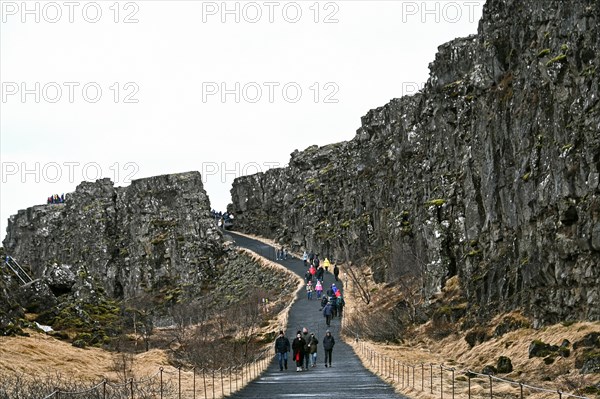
(316, 269)
(332, 303)
(281, 254)
(304, 349)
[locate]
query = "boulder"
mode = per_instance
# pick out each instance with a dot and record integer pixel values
(60, 278)
(36, 297)
(591, 340)
(591, 363)
(541, 349)
(504, 365)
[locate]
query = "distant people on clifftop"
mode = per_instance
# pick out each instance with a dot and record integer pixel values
(55, 199)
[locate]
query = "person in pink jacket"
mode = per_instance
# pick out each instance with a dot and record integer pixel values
(319, 289)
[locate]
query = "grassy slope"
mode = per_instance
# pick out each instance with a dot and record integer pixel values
(454, 352)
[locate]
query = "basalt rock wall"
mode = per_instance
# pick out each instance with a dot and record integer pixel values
(490, 173)
(155, 233)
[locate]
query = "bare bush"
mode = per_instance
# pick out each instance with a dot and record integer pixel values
(407, 268)
(222, 335)
(383, 325)
(137, 316)
(123, 365)
(360, 282)
(22, 386)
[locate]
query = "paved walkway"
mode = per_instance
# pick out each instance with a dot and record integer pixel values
(347, 378)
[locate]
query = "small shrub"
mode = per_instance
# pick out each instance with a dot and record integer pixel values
(559, 58)
(476, 336)
(436, 202)
(564, 351)
(543, 52)
(504, 365)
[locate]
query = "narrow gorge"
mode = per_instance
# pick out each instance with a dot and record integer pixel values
(489, 174)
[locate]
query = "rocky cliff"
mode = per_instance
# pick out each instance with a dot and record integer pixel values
(155, 233)
(489, 174)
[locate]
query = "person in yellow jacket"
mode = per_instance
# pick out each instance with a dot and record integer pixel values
(326, 264)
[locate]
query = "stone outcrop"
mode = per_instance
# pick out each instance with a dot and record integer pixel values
(490, 173)
(154, 233)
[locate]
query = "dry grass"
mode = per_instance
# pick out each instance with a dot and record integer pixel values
(41, 355)
(453, 352)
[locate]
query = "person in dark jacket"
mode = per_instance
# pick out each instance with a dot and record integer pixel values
(334, 307)
(328, 343)
(340, 305)
(330, 291)
(336, 272)
(324, 301)
(320, 273)
(312, 346)
(282, 347)
(298, 350)
(327, 312)
(307, 276)
(306, 338)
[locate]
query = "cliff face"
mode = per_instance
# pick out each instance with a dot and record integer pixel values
(491, 173)
(155, 233)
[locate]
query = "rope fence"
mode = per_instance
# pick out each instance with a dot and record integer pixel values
(448, 382)
(177, 383)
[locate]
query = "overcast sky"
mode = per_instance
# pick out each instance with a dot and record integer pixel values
(135, 89)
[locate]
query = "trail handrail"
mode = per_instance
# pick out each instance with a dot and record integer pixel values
(403, 375)
(247, 371)
(14, 266)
